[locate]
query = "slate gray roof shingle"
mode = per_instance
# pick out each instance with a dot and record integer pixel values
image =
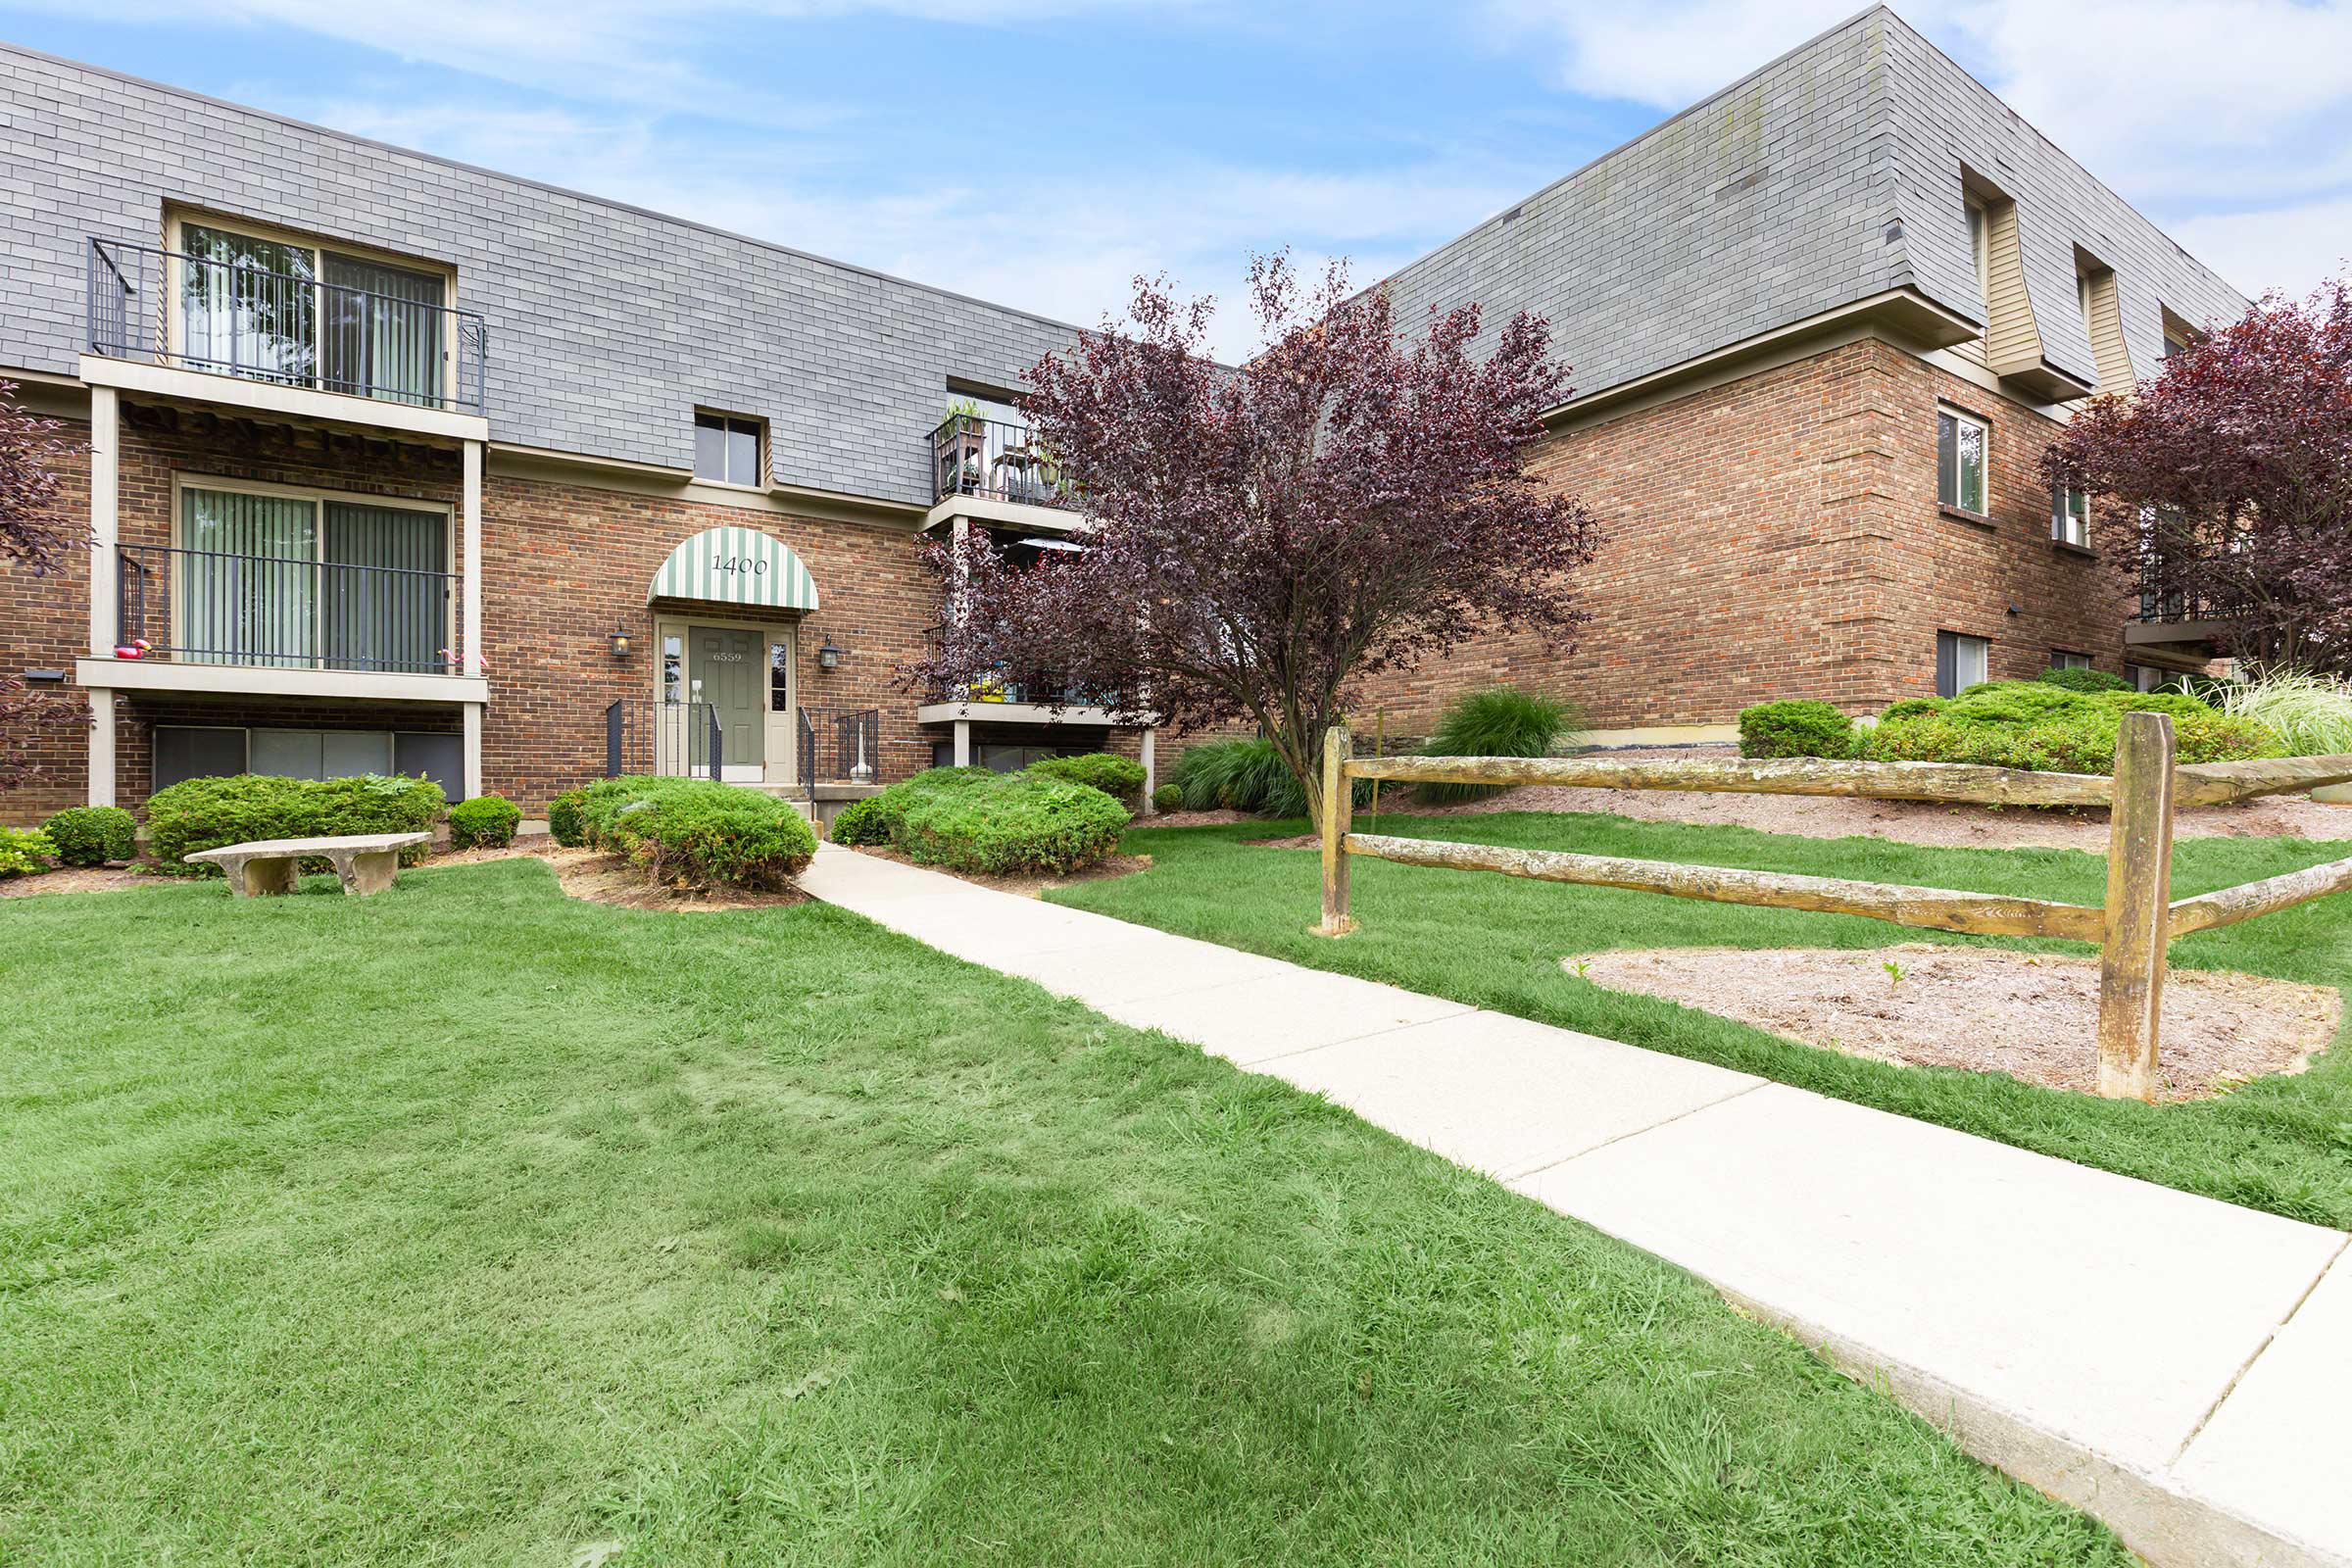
(1772, 201)
(1830, 175)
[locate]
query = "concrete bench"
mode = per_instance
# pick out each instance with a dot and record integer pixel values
(365, 861)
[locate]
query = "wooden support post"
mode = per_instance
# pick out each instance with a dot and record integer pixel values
(2140, 876)
(1339, 807)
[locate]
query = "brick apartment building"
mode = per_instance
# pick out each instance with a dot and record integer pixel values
(397, 464)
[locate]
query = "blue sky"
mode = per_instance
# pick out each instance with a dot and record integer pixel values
(1041, 152)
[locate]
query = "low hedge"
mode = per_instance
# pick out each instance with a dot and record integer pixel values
(206, 814)
(1801, 727)
(92, 835)
(861, 822)
(2083, 680)
(487, 821)
(697, 833)
(2045, 727)
(1120, 777)
(564, 821)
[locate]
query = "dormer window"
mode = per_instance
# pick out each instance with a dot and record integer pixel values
(727, 449)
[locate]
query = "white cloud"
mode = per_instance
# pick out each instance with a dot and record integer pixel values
(2287, 248)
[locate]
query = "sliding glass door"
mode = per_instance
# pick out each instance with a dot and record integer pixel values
(301, 316)
(297, 581)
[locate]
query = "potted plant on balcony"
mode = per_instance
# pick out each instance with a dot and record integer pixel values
(959, 445)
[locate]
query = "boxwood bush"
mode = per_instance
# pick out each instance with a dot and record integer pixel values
(700, 834)
(2044, 727)
(24, 851)
(564, 821)
(206, 814)
(1502, 721)
(1009, 822)
(92, 835)
(1120, 777)
(487, 821)
(1167, 798)
(861, 822)
(1801, 727)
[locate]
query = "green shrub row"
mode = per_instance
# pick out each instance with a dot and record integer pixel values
(2083, 680)
(697, 833)
(977, 820)
(487, 821)
(206, 814)
(565, 823)
(92, 835)
(2044, 727)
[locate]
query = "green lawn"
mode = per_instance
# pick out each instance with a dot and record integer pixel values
(469, 1224)
(2283, 1144)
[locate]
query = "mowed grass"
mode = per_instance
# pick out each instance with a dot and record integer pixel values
(469, 1224)
(2282, 1144)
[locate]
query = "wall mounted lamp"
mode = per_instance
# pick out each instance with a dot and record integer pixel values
(828, 656)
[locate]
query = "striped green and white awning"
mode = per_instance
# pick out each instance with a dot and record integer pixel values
(736, 566)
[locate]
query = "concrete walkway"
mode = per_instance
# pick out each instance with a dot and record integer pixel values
(2181, 1368)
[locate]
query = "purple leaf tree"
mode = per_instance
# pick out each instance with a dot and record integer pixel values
(1261, 540)
(33, 541)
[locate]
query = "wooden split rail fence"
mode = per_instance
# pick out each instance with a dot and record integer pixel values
(2131, 929)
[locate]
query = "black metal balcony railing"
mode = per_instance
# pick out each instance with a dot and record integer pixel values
(233, 317)
(1044, 688)
(841, 746)
(646, 736)
(975, 457)
(206, 607)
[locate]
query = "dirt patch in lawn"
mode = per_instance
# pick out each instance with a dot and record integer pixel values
(1984, 828)
(1218, 819)
(2033, 1016)
(1025, 884)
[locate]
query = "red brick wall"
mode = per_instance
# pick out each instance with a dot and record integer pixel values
(1778, 536)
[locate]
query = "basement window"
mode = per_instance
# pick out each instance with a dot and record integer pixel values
(1961, 661)
(2063, 659)
(1963, 446)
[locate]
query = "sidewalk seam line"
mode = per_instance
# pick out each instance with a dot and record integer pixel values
(1636, 1132)
(2268, 1339)
(1369, 1034)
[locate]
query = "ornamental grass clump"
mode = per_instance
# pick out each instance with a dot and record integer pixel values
(2310, 713)
(2045, 728)
(1501, 721)
(697, 834)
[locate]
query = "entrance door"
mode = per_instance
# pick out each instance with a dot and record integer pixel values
(729, 670)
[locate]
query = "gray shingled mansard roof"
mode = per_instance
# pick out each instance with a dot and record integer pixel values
(1828, 176)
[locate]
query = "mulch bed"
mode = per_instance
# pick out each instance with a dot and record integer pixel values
(2033, 1016)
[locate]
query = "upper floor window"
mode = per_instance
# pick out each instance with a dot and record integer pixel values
(303, 315)
(726, 448)
(2070, 515)
(1963, 447)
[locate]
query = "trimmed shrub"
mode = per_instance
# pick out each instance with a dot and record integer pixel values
(1120, 777)
(564, 821)
(1167, 798)
(1501, 721)
(1010, 823)
(2083, 680)
(1801, 727)
(206, 814)
(697, 833)
(24, 852)
(861, 822)
(487, 822)
(92, 835)
(2028, 724)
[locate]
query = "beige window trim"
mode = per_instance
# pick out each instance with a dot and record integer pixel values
(2103, 320)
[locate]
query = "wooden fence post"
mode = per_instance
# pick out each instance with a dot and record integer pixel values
(2139, 879)
(1339, 808)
